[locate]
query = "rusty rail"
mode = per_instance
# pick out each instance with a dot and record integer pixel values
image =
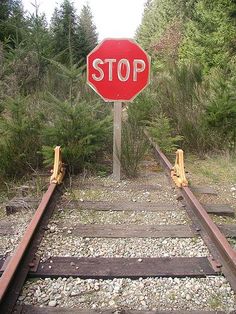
(20, 250)
(20, 263)
(221, 248)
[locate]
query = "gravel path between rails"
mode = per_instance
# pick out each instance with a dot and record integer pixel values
(59, 245)
(151, 293)
(211, 293)
(121, 217)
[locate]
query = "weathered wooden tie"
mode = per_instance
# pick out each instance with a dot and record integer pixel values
(133, 231)
(119, 206)
(134, 268)
(30, 309)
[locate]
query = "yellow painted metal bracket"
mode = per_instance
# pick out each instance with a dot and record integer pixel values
(178, 172)
(58, 171)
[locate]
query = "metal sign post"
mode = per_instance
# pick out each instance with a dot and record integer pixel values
(117, 140)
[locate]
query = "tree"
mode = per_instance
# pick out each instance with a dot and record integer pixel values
(158, 16)
(38, 39)
(210, 34)
(64, 34)
(82, 127)
(11, 22)
(87, 34)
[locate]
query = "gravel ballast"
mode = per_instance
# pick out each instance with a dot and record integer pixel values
(18, 224)
(58, 245)
(212, 293)
(122, 217)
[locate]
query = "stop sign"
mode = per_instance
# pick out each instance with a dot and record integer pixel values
(118, 69)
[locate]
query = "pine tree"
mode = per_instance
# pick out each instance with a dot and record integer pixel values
(38, 38)
(87, 34)
(12, 22)
(158, 17)
(64, 35)
(210, 34)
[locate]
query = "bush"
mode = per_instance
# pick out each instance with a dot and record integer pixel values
(146, 105)
(181, 92)
(82, 129)
(20, 130)
(221, 109)
(161, 131)
(134, 147)
(81, 124)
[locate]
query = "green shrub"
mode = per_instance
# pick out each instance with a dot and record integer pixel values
(134, 147)
(83, 130)
(221, 109)
(20, 130)
(181, 92)
(145, 105)
(161, 131)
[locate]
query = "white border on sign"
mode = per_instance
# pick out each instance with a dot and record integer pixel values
(149, 69)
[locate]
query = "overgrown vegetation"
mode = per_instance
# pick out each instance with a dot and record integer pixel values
(192, 44)
(161, 131)
(134, 147)
(44, 100)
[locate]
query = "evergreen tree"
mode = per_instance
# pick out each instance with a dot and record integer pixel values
(87, 34)
(38, 34)
(64, 35)
(157, 17)
(11, 22)
(210, 34)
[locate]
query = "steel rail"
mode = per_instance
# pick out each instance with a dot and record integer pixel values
(8, 276)
(222, 249)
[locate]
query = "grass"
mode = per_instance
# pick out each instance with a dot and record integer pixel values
(212, 169)
(215, 302)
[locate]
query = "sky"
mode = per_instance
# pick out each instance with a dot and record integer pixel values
(113, 18)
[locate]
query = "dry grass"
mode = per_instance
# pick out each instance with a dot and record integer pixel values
(212, 169)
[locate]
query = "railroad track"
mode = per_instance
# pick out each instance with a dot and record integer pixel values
(125, 247)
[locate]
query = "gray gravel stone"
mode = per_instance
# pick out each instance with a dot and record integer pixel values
(52, 303)
(161, 293)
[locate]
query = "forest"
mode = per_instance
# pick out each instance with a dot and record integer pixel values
(44, 99)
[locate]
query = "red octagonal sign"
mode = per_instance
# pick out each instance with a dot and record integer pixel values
(118, 69)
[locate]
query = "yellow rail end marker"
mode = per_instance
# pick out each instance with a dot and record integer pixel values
(178, 172)
(58, 171)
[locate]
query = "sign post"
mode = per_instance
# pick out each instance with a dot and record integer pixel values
(117, 139)
(118, 70)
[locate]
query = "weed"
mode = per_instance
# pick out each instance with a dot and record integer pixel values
(215, 302)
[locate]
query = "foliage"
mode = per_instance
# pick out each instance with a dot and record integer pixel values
(20, 130)
(87, 34)
(73, 76)
(181, 93)
(221, 108)
(134, 147)
(64, 36)
(162, 132)
(192, 44)
(38, 40)
(81, 129)
(210, 34)
(146, 105)
(73, 37)
(12, 22)
(157, 16)
(30, 55)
